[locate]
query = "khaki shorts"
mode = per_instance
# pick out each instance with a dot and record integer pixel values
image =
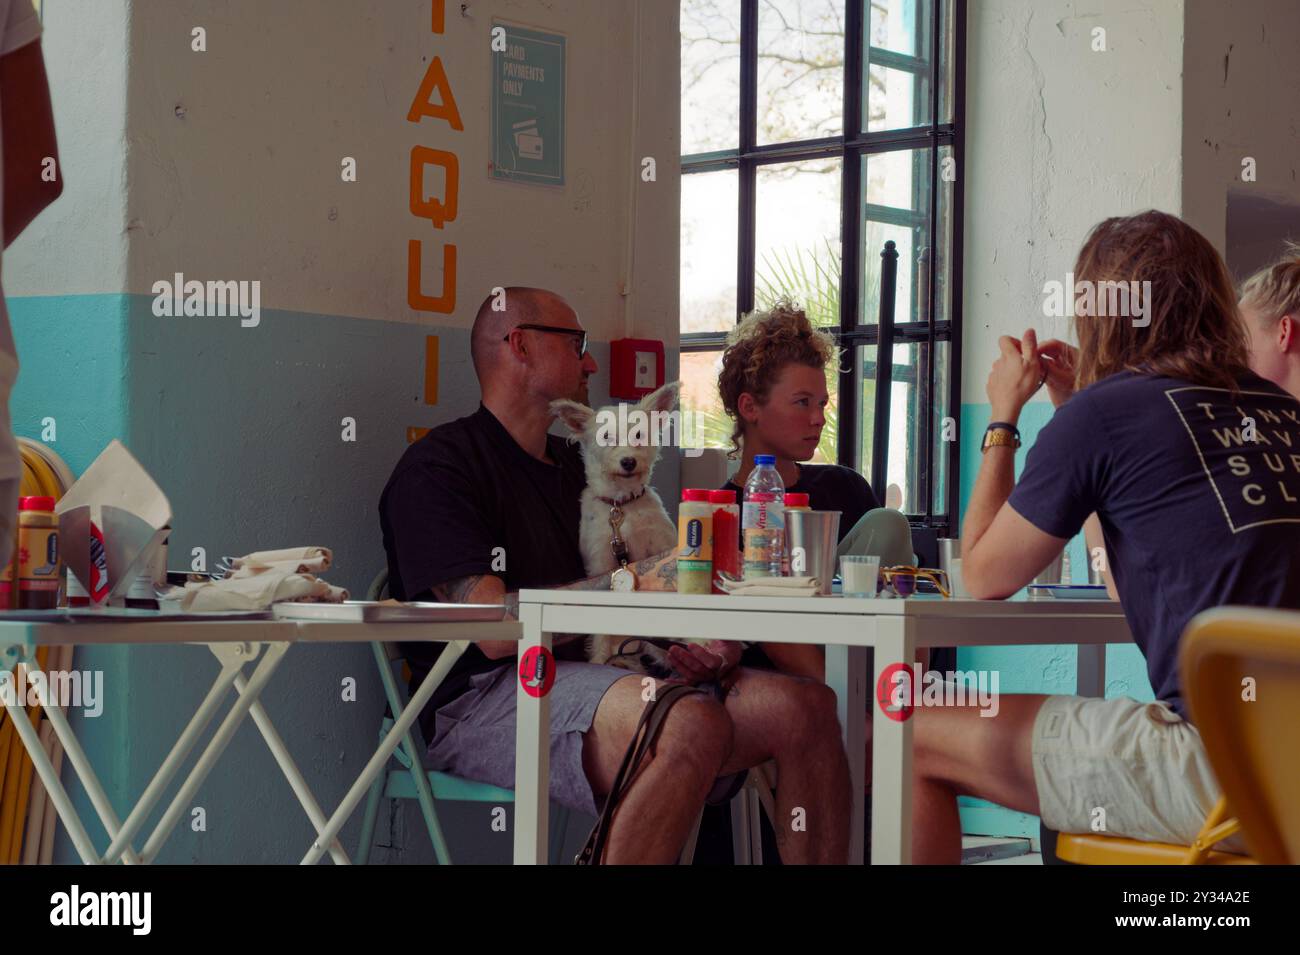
(1122, 768)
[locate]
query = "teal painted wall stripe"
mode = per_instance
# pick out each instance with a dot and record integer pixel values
(72, 351)
(73, 368)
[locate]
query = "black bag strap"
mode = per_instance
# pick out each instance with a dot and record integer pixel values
(643, 741)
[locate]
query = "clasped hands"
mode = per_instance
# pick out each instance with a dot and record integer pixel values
(1023, 367)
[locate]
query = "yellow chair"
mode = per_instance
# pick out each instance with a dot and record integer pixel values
(1248, 729)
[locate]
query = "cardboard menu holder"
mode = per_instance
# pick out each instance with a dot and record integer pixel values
(111, 523)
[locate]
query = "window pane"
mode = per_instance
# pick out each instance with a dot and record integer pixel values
(709, 243)
(828, 446)
(896, 54)
(906, 465)
(864, 359)
(945, 429)
(897, 189)
(800, 69)
(943, 241)
(699, 394)
(947, 64)
(710, 31)
(797, 237)
(893, 25)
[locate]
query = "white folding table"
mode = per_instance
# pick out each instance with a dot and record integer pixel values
(849, 627)
(236, 643)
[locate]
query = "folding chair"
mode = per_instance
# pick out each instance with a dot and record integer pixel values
(405, 781)
(402, 782)
(1249, 742)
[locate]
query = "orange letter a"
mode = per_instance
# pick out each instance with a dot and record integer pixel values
(435, 76)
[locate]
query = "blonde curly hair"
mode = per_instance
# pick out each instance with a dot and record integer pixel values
(759, 347)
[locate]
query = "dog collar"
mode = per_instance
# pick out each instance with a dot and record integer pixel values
(619, 503)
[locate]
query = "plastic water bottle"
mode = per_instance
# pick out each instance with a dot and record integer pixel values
(763, 519)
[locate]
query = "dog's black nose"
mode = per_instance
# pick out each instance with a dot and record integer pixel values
(629, 464)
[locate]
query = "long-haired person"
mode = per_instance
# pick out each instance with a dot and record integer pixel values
(1180, 450)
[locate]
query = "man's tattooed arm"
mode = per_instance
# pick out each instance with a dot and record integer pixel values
(658, 572)
(462, 589)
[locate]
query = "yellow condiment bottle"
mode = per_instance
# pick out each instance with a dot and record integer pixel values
(37, 562)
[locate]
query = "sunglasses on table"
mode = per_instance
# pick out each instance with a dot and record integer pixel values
(902, 579)
(580, 336)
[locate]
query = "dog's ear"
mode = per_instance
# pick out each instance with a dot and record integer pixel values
(576, 417)
(661, 400)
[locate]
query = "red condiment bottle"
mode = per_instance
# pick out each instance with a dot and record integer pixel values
(726, 536)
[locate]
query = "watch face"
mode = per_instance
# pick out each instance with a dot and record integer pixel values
(622, 580)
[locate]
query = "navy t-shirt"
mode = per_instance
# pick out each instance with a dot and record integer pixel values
(1194, 514)
(830, 487)
(466, 500)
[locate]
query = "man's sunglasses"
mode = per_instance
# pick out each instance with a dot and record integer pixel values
(902, 579)
(578, 333)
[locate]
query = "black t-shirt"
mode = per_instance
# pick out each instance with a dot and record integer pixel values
(466, 500)
(1195, 514)
(830, 487)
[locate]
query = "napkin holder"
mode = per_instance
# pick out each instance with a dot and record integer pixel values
(116, 495)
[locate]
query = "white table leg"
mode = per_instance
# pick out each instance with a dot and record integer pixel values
(291, 772)
(846, 674)
(11, 654)
(891, 755)
(1090, 678)
(271, 658)
(231, 665)
(324, 836)
(532, 750)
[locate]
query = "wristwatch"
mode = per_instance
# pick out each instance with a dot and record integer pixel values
(623, 580)
(1000, 434)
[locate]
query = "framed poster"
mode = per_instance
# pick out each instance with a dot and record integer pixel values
(528, 106)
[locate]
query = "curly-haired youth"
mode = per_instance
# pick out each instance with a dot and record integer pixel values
(759, 347)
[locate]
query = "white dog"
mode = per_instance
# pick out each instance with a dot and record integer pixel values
(618, 473)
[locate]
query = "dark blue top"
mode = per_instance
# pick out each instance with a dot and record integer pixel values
(1195, 515)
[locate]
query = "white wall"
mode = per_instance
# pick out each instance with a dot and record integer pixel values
(1241, 98)
(78, 245)
(225, 164)
(247, 184)
(1058, 138)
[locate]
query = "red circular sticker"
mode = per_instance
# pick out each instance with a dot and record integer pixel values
(537, 671)
(894, 691)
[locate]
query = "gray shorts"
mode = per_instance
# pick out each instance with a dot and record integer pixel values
(475, 734)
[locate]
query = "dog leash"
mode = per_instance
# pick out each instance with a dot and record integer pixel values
(616, 544)
(643, 743)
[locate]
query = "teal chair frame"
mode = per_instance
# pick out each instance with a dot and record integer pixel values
(409, 779)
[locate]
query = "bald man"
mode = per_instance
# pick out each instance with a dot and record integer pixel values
(486, 505)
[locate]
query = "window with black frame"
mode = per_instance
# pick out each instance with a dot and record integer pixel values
(821, 160)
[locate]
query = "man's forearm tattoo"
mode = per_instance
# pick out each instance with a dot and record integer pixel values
(668, 574)
(455, 591)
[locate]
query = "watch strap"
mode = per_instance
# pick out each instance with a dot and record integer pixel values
(1004, 426)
